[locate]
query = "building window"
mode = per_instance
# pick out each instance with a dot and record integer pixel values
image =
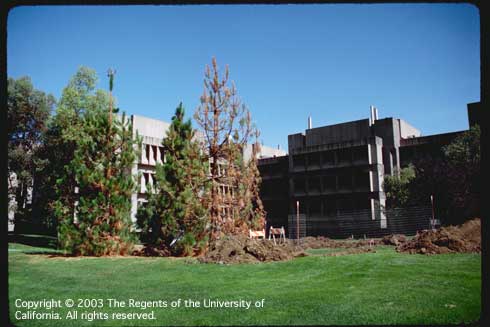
(344, 155)
(328, 158)
(360, 154)
(345, 182)
(298, 160)
(155, 153)
(147, 152)
(345, 205)
(315, 207)
(162, 154)
(362, 180)
(314, 159)
(314, 184)
(329, 207)
(299, 185)
(329, 183)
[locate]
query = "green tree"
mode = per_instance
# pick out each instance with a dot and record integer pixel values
(101, 169)
(176, 205)
(60, 142)
(28, 110)
(398, 187)
(452, 177)
(463, 172)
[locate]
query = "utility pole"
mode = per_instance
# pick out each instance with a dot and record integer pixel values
(297, 222)
(432, 222)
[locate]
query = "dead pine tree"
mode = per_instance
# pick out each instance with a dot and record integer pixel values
(226, 125)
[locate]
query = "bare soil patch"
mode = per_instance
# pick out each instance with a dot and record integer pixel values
(394, 239)
(241, 249)
(463, 238)
(238, 249)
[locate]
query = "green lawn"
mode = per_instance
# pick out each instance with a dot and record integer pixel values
(371, 288)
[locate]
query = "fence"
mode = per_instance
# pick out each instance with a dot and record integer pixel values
(361, 223)
(297, 227)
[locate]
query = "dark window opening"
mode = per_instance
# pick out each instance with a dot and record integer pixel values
(154, 152)
(147, 152)
(329, 183)
(328, 158)
(299, 185)
(314, 184)
(345, 182)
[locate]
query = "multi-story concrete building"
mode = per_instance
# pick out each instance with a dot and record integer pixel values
(329, 169)
(340, 168)
(152, 132)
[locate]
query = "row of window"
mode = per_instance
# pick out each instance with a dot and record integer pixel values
(147, 179)
(329, 207)
(359, 180)
(332, 157)
(152, 154)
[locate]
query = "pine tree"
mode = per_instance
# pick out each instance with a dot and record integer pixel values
(226, 124)
(244, 179)
(175, 209)
(101, 168)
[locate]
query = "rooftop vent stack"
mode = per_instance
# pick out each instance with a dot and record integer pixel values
(310, 124)
(371, 117)
(375, 113)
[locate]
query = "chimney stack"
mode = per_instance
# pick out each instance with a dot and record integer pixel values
(310, 124)
(371, 115)
(375, 113)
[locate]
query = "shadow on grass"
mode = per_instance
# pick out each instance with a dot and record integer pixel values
(51, 254)
(43, 241)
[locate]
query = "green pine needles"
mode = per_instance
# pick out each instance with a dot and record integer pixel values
(175, 218)
(99, 222)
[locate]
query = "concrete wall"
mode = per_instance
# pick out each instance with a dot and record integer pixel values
(152, 131)
(354, 130)
(407, 130)
(265, 152)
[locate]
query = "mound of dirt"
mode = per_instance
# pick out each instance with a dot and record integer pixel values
(241, 249)
(321, 242)
(238, 249)
(151, 251)
(461, 239)
(394, 239)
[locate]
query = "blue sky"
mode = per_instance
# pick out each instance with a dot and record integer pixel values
(418, 62)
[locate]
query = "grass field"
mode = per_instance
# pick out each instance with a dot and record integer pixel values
(371, 288)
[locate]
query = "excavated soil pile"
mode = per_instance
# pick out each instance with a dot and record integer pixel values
(394, 239)
(461, 239)
(241, 249)
(149, 251)
(237, 249)
(321, 242)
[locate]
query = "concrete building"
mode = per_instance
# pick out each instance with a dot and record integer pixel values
(340, 168)
(152, 132)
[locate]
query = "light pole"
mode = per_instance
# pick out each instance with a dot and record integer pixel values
(297, 222)
(432, 205)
